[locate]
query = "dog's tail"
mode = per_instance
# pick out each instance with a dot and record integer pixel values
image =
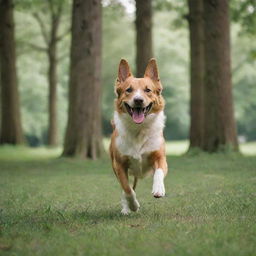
(135, 183)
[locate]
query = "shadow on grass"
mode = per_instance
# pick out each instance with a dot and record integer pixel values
(41, 219)
(55, 165)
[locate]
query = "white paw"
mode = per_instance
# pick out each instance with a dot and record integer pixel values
(129, 203)
(158, 189)
(125, 211)
(133, 205)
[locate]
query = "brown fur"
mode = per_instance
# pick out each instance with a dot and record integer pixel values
(124, 81)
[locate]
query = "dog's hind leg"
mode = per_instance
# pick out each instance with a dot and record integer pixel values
(135, 183)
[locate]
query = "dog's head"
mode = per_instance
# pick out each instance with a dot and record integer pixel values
(138, 97)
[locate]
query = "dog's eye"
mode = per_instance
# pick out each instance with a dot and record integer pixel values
(147, 90)
(129, 90)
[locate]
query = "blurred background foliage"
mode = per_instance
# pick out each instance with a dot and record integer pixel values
(171, 48)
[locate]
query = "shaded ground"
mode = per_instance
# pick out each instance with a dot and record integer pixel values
(52, 206)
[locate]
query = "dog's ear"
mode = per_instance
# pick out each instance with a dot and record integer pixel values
(152, 73)
(123, 71)
(152, 70)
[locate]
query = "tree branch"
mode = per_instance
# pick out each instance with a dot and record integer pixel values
(55, 13)
(50, 3)
(59, 10)
(37, 47)
(60, 37)
(63, 57)
(42, 27)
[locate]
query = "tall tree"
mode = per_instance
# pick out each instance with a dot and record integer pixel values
(219, 122)
(83, 133)
(51, 38)
(144, 48)
(195, 19)
(11, 129)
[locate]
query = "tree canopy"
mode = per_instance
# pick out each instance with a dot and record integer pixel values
(171, 49)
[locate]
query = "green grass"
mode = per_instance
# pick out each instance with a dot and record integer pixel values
(54, 206)
(180, 147)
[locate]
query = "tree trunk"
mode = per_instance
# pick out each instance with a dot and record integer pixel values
(52, 81)
(195, 19)
(11, 130)
(0, 98)
(51, 39)
(83, 134)
(143, 35)
(219, 123)
(52, 97)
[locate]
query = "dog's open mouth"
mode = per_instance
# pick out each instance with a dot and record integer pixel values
(138, 114)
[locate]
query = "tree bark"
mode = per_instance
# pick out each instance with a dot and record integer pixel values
(219, 123)
(52, 97)
(83, 134)
(11, 129)
(144, 48)
(195, 19)
(51, 39)
(52, 81)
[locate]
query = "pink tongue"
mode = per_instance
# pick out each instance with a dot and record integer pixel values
(138, 116)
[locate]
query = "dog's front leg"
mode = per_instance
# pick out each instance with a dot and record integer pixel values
(129, 201)
(160, 171)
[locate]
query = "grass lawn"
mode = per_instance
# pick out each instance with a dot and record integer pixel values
(53, 206)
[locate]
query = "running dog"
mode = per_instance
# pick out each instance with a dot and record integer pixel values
(137, 144)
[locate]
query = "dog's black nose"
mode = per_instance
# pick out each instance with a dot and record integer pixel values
(138, 101)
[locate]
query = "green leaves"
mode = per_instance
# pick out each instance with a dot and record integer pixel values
(244, 12)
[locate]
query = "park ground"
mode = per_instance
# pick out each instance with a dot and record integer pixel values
(56, 206)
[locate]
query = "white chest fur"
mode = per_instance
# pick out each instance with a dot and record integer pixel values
(137, 140)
